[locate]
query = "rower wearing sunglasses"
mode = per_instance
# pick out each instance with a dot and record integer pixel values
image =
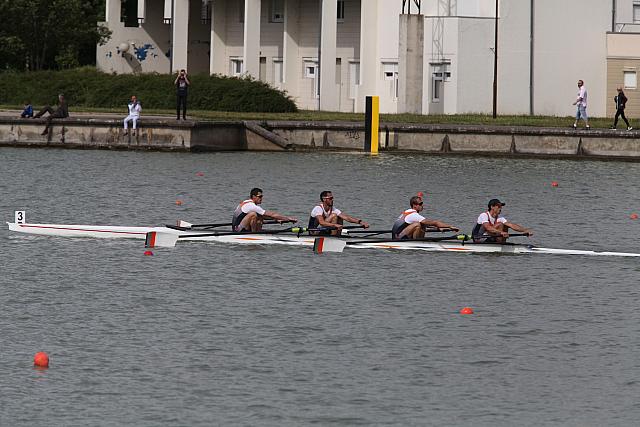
(249, 215)
(325, 215)
(412, 225)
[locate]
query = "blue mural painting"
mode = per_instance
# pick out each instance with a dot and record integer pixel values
(142, 52)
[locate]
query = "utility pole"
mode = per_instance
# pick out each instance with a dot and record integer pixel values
(495, 65)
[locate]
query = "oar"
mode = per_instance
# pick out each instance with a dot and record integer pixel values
(333, 244)
(184, 225)
(166, 239)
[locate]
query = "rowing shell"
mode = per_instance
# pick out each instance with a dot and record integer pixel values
(120, 232)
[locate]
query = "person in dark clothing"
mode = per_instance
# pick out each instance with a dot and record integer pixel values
(62, 112)
(182, 85)
(27, 113)
(621, 102)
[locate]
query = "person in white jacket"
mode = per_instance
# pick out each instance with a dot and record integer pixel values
(134, 114)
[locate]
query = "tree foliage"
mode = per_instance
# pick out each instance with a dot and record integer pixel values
(50, 34)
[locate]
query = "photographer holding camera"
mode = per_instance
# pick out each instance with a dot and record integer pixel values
(182, 85)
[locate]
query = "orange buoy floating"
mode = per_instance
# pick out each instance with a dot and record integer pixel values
(41, 359)
(148, 253)
(466, 310)
(554, 183)
(634, 216)
(179, 202)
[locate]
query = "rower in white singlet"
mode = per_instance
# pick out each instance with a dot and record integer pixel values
(411, 225)
(325, 215)
(249, 215)
(491, 227)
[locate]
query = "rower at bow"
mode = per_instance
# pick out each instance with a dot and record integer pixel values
(326, 215)
(491, 227)
(411, 225)
(249, 215)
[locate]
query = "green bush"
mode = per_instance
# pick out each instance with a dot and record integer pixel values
(87, 87)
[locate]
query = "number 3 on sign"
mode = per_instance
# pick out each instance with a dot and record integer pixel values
(20, 217)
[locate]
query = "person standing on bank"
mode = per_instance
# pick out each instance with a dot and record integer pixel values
(134, 114)
(62, 112)
(581, 106)
(621, 102)
(182, 85)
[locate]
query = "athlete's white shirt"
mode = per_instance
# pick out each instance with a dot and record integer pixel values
(319, 210)
(413, 217)
(485, 217)
(249, 206)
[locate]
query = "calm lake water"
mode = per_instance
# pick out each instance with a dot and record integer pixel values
(212, 334)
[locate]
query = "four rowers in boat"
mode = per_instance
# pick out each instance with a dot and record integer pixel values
(490, 227)
(326, 216)
(493, 228)
(412, 225)
(249, 216)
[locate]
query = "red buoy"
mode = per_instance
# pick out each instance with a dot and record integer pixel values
(41, 359)
(554, 183)
(178, 202)
(466, 310)
(148, 253)
(420, 194)
(634, 216)
(199, 173)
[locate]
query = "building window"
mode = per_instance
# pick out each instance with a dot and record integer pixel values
(237, 67)
(636, 12)
(310, 70)
(340, 10)
(354, 78)
(205, 13)
(440, 74)
(277, 10)
(630, 80)
(278, 67)
(390, 74)
(129, 13)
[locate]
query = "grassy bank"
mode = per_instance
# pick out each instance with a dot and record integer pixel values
(305, 115)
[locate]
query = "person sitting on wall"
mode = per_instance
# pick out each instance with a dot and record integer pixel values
(134, 114)
(27, 113)
(62, 112)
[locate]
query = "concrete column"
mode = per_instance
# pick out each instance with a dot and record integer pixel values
(218, 63)
(142, 11)
(369, 53)
(112, 13)
(180, 36)
(290, 46)
(328, 93)
(410, 64)
(251, 52)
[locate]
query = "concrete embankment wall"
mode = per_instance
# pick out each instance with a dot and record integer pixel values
(171, 135)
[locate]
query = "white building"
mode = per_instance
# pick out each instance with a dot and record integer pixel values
(330, 54)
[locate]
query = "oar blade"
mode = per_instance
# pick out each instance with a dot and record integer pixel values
(159, 239)
(326, 244)
(183, 224)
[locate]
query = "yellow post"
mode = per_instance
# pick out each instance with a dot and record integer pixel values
(372, 124)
